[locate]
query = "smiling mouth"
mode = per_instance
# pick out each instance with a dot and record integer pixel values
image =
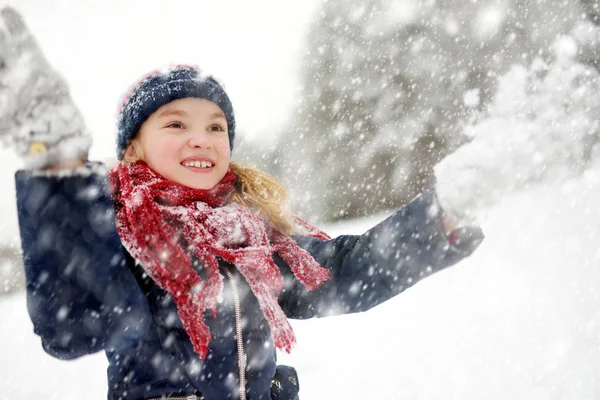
(198, 164)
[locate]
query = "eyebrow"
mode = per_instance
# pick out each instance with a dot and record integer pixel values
(172, 112)
(218, 115)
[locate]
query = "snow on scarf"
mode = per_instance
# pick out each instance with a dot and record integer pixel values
(162, 223)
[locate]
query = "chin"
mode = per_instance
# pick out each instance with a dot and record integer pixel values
(193, 182)
(202, 186)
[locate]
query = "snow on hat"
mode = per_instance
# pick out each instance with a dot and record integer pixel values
(161, 87)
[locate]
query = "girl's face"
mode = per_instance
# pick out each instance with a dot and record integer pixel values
(185, 141)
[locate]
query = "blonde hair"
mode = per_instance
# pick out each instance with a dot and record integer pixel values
(263, 193)
(254, 189)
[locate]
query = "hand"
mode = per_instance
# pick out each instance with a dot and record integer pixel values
(449, 224)
(465, 239)
(38, 118)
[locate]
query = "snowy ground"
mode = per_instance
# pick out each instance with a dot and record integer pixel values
(517, 320)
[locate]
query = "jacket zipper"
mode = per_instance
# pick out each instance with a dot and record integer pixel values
(238, 330)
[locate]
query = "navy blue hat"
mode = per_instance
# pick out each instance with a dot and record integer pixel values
(161, 87)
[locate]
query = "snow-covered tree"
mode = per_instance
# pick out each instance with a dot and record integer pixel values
(592, 8)
(388, 86)
(587, 37)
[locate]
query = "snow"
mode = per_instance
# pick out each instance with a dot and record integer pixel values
(488, 21)
(540, 128)
(397, 77)
(471, 98)
(517, 320)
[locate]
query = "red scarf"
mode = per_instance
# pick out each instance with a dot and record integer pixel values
(162, 224)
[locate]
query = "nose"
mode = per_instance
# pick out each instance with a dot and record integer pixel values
(199, 139)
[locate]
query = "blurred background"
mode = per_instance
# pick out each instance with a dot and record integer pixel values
(352, 103)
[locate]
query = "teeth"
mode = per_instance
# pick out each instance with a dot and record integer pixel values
(198, 164)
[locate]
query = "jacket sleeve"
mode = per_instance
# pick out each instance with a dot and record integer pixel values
(81, 295)
(369, 269)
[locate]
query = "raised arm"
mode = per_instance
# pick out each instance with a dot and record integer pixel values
(81, 295)
(374, 267)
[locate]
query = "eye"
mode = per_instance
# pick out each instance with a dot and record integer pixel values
(217, 127)
(175, 125)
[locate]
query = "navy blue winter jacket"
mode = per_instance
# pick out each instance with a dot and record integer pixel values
(85, 293)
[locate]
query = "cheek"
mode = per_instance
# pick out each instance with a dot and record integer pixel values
(165, 147)
(224, 149)
(160, 153)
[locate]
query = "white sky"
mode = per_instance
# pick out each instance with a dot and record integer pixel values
(103, 46)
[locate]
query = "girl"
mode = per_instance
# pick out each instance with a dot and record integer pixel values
(184, 266)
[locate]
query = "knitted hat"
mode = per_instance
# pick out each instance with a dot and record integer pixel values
(161, 87)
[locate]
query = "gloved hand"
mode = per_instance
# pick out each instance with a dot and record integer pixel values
(462, 229)
(38, 118)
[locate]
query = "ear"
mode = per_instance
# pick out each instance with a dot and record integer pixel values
(133, 152)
